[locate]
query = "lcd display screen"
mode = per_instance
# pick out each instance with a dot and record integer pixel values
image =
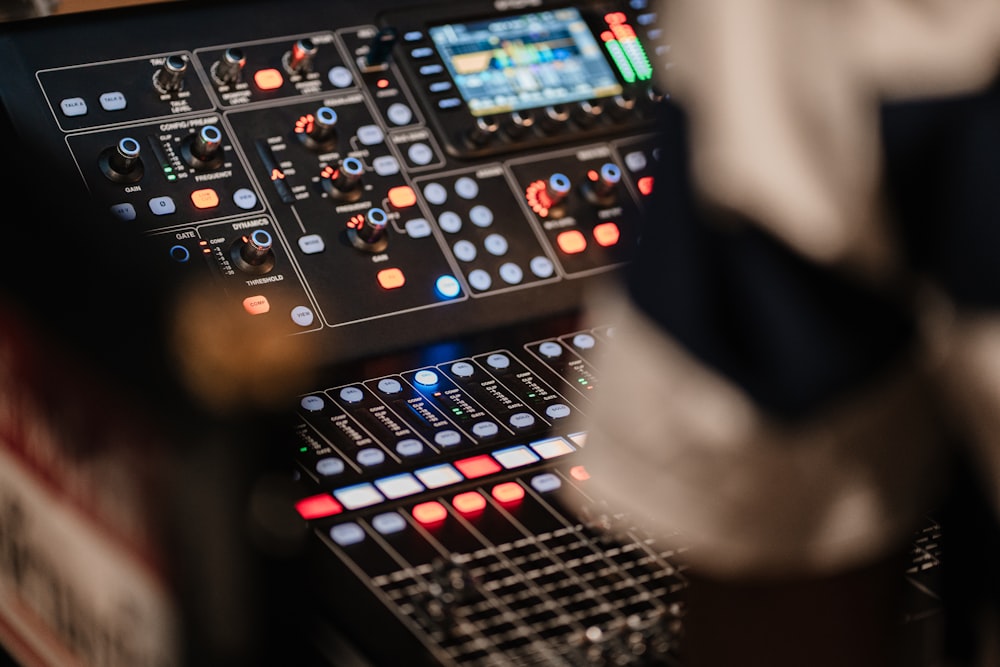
(525, 61)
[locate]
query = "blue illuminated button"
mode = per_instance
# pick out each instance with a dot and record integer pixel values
(385, 165)
(467, 188)
(113, 101)
(464, 250)
(371, 456)
(409, 447)
(389, 386)
(480, 280)
(557, 411)
(346, 534)
(312, 403)
(399, 486)
(421, 52)
(302, 316)
(352, 394)
(447, 438)
(448, 287)
(180, 254)
(431, 70)
(584, 341)
(435, 193)
(498, 361)
(420, 154)
(515, 457)
(450, 222)
(550, 350)
(358, 496)
(162, 205)
(511, 273)
(481, 216)
(546, 482)
(330, 466)
(496, 244)
(463, 369)
(541, 266)
(418, 228)
(438, 476)
(485, 429)
(245, 198)
(311, 244)
(340, 76)
(73, 106)
(522, 420)
(388, 523)
(426, 378)
(399, 114)
(123, 211)
(370, 135)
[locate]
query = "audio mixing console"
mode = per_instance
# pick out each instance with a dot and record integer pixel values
(425, 193)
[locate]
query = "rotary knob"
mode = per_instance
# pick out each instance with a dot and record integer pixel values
(203, 149)
(369, 232)
(601, 188)
(318, 130)
(554, 118)
(482, 131)
(298, 59)
(587, 113)
(343, 182)
(122, 162)
(253, 253)
(170, 77)
(519, 123)
(228, 69)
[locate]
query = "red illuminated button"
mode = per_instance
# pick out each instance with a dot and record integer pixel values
(402, 196)
(207, 198)
(268, 79)
(579, 473)
(469, 503)
(606, 234)
(317, 507)
(646, 185)
(508, 492)
(391, 278)
(477, 466)
(256, 305)
(429, 513)
(571, 242)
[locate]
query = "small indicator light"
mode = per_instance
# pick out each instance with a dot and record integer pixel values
(402, 196)
(268, 79)
(477, 466)
(579, 473)
(382, 83)
(646, 185)
(391, 278)
(447, 287)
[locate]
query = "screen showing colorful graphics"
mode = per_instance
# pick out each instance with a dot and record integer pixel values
(525, 61)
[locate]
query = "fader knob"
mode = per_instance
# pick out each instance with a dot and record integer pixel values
(203, 150)
(253, 253)
(121, 163)
(369, 232)
(343, 182)
(318, 131)
(299, 57)
(380, 49)
(170, 77)
(229, 67)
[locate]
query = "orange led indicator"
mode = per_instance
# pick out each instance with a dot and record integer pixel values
(207, 198)
(508, 492)
(646, 185)
(317, 507)
(382, 83)
(477, 466)
(571, 242)
(579, 473)
(429, 513)
(391, 278)
(606, 234)
(268, 79)
(470, 502)
(402, 196)
(256, 305)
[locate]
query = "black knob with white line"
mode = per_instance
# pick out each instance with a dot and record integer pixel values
(203, 148)
(122, 162)
(369, 231)
(253, 252)
(318, 130)
(170, 77)
(299, 58)
(343, 182)
(228, 69)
